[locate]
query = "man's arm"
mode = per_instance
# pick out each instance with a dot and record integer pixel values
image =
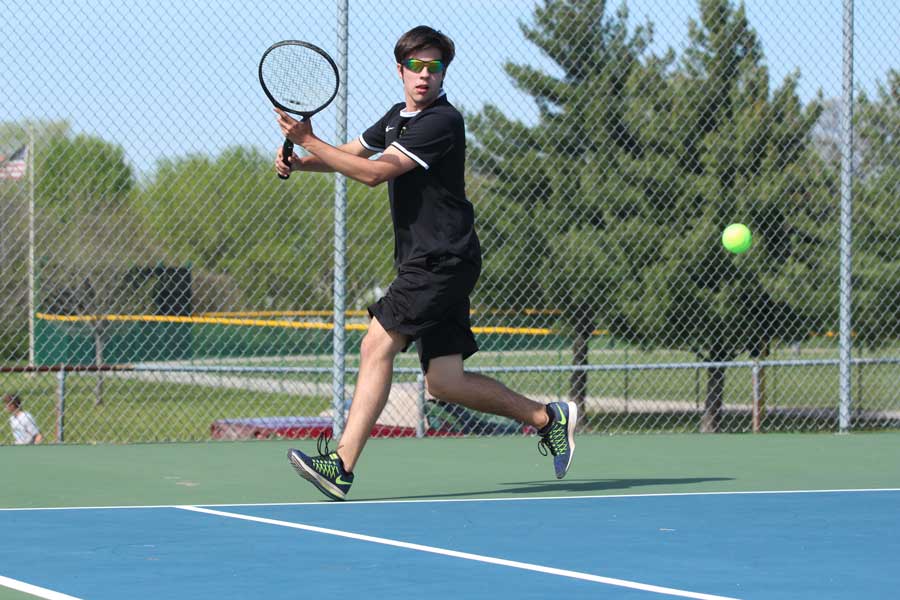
(314, 164)
(392, 163)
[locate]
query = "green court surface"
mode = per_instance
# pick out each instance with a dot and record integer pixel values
(640, 516)
(507, 467)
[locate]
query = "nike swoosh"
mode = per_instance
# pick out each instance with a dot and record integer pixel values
(386, 129)
(340, 481)
(562, 417)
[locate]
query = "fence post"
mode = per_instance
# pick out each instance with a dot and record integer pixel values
(61, 404)
(846, 251)
(31, 288)
(340, 237)
(420, 405)
(754, 378)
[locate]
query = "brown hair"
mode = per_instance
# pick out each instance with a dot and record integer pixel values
(12, 399)
(424, 37)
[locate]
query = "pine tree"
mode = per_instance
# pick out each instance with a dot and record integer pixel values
(545, 174)
(638, 163)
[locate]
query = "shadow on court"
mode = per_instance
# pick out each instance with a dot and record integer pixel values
(565, 487)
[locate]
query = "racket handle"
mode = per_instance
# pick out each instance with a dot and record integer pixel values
(287, 151)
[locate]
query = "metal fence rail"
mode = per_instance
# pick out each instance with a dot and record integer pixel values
(410, 411)
(161, 284)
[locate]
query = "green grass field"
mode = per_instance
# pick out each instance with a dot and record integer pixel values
(149, 412)
(802, 386)
(155, 410)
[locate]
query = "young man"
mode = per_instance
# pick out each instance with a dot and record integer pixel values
(438, 258)
(24, 428)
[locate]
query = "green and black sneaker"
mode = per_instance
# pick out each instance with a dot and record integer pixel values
(558, 437)
(325, 471)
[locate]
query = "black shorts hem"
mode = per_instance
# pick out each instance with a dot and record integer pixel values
(424, 361)
(391, 322)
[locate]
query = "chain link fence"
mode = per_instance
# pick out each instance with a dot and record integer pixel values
(160, 283)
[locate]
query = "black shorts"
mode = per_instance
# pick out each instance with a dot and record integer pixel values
(429, 303)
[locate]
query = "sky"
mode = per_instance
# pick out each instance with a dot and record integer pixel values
(171, 78)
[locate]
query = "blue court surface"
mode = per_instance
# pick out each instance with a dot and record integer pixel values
(773, 545)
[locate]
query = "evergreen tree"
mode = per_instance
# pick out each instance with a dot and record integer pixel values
(636, 166)
(742, 154)
(538, 174)
(876, 267)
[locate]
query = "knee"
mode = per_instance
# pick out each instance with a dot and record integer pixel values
(378, 345)
(440, 385)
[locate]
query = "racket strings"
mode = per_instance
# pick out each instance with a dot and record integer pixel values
(299, 78)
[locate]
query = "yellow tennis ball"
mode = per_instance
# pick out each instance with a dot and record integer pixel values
(737, 238)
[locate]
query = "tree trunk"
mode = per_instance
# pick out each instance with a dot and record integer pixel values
(715, 389)
(583, 324)
(579, 378)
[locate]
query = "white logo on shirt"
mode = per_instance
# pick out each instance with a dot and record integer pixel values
(388, 128)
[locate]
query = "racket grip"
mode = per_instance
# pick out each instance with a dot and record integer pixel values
(287, 151)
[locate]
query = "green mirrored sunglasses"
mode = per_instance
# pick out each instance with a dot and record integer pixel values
(416, 65)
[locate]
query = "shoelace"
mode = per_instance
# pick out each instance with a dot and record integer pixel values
(325, 466)
(325, 463)
(553, 441)
(323, 440)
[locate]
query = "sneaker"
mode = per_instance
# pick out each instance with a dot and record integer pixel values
(325, 471)
(559, 436)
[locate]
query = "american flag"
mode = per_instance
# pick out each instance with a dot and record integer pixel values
(14, 166)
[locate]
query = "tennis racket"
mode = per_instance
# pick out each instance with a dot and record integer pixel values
(298, 78)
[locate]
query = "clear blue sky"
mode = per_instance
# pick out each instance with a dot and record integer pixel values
(169, 78)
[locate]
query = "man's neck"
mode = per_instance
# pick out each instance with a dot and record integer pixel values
(412, 107)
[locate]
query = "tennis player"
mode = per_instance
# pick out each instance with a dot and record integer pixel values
(422, 148)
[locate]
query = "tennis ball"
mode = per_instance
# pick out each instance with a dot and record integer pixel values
(737, 238)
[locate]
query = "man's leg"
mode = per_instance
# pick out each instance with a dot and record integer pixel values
(332, 472)
(555, 422)
(379, 347)
(446, 380)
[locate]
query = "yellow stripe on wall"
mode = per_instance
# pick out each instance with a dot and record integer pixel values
(249, 322)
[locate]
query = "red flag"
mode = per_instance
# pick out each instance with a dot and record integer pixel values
(14, 166)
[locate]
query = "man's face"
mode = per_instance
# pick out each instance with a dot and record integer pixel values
(10, 407)
(422, 87)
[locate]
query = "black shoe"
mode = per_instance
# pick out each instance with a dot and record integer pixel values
(559, 437)
(325, 471)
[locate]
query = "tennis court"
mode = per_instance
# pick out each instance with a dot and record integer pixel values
(772, 516)
(176, 315)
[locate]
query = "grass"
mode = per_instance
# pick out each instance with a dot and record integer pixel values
(147, 411)
(153, 411)
(806, 386)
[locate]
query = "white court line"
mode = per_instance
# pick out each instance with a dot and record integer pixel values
(466, 555)
(440, 500)
(34, 590)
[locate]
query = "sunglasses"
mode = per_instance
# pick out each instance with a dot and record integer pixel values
(415, 65)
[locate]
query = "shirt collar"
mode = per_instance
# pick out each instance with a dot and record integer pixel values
(406, 114)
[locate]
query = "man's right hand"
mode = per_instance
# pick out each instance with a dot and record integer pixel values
(283, 169)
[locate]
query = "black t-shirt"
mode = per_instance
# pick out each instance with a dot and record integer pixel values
(432, 216)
